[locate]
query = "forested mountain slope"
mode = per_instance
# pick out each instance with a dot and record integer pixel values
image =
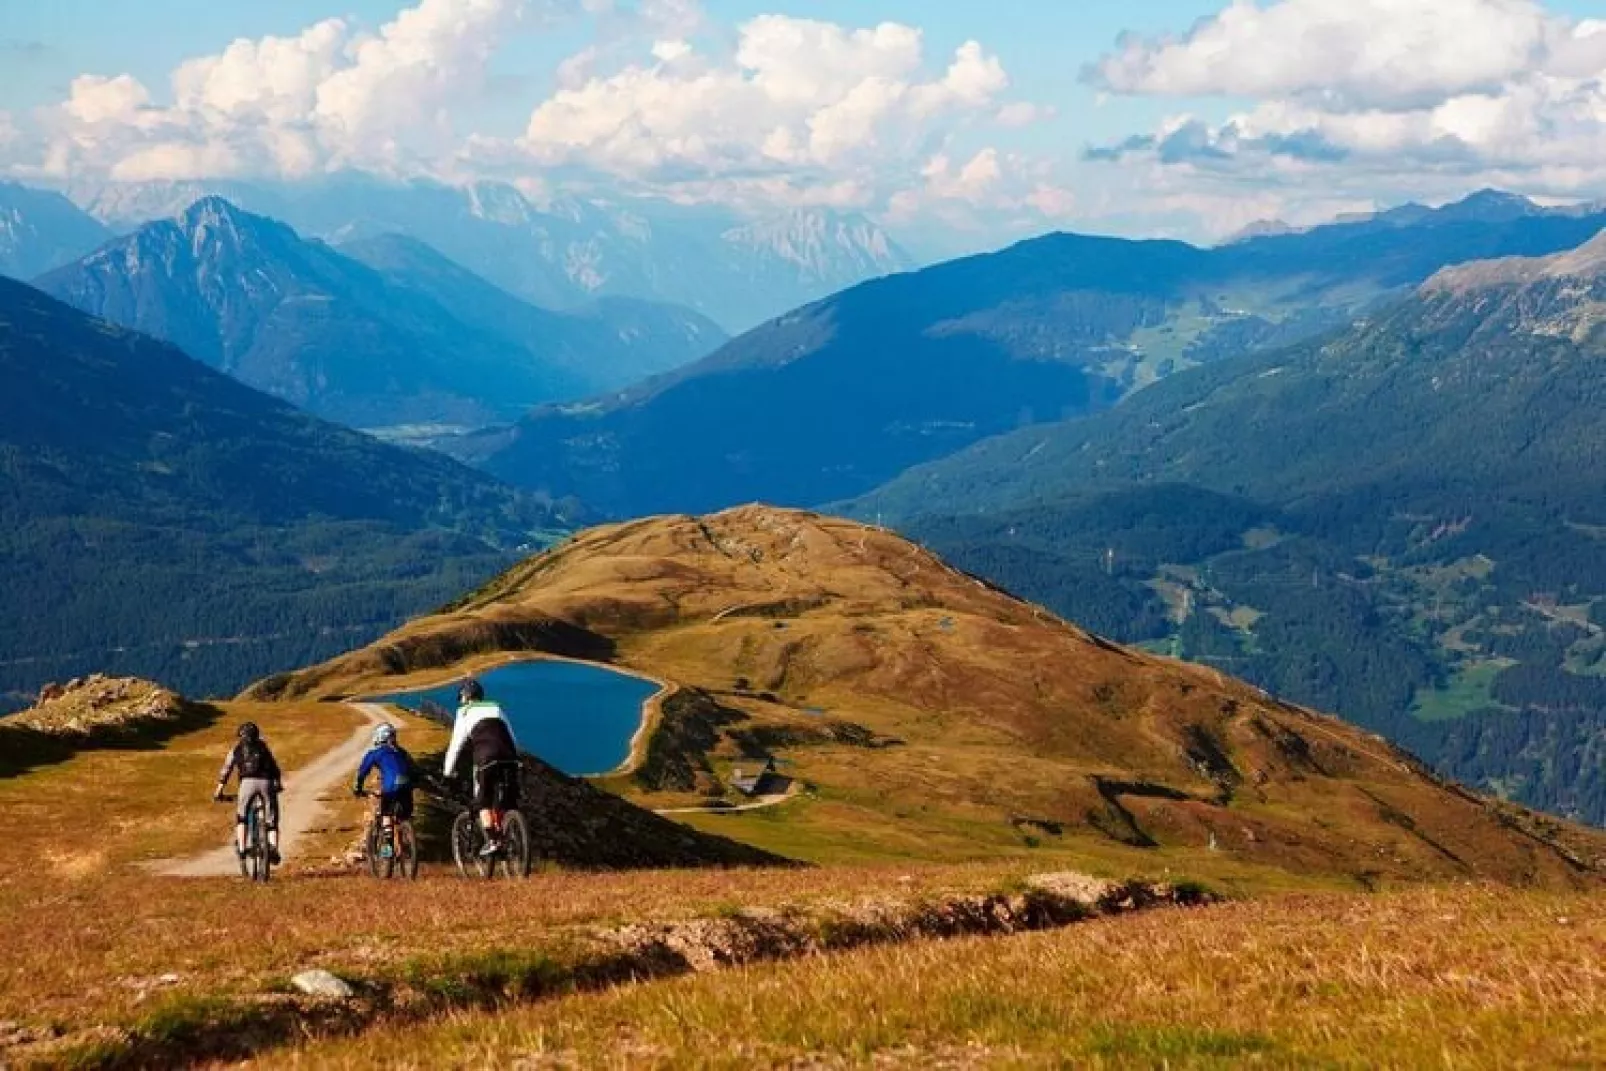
(1411, 528)
(159, 517)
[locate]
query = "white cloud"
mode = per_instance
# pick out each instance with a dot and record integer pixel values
(1022, 113)
(287, 106)
(821, 102)
(429, 56)
(275, 79)
(1349, 53)
(778, 111)
(93, 100)
(1375, 100)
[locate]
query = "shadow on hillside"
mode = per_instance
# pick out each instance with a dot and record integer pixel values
(578, 826)
(23, 749)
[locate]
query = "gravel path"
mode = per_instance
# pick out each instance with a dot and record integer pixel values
(300, 806)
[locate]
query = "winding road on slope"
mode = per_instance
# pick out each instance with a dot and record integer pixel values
(300, 806)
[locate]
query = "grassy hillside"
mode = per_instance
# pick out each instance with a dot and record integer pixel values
(102, 958)
(105, 963)
(931, 717)
(1471, 978)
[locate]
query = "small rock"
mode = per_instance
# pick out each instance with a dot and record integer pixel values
(169, 979)
(320, 983)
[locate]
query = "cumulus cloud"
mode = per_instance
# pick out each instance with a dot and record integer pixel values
(794, 93)
(777, 111)
(286, 106)
(1402, 97)
(428, 57)
(93, 100)
(1350, 53)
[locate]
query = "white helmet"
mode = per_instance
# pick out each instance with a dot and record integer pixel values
(384, 734)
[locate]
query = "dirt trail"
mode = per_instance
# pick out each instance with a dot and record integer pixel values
(758, 805)
(299, 807)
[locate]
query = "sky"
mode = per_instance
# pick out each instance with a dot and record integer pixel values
(960, 123)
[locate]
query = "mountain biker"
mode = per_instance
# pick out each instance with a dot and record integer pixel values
(253, 760)
(397, 773)
(482, 730)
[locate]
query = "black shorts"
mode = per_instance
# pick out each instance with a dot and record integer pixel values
(397, 804)
(496, 786)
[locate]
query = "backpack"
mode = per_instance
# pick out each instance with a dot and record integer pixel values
(255, 759)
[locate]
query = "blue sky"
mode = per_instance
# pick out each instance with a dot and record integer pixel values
(1204, 117)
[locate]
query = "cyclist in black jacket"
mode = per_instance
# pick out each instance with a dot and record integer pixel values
(253, 760)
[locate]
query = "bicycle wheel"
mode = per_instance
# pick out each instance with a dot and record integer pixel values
(256, 839)
(379, 866)
(243, 856)
(406, 851)
(515, 845)
(467, 840)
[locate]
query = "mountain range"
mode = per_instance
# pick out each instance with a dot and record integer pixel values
(159, 517)
(415, 340)
(737, 269)
(1403, 522)
(830, 400)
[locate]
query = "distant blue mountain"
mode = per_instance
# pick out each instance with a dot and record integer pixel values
(425, 343)
(738, 269)
(837, 397)
(40, 230)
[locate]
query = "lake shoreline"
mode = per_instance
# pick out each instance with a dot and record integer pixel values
(651, 708)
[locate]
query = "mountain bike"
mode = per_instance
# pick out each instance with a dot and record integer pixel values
(513, 857)
(256, 862)
(393, 854)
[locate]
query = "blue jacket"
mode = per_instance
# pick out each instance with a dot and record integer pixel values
(395, 768)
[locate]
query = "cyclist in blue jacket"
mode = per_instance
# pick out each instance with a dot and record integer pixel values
(397, 774)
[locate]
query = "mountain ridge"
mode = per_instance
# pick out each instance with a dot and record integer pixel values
(737, 270)
(826, 402)
(41, 230)
(299, 319)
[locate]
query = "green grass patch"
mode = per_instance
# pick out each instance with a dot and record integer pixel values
(1163, 1044)
(1470, 688)
(497, 974)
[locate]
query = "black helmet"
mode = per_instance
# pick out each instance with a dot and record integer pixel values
(470, 691)
(249, 731)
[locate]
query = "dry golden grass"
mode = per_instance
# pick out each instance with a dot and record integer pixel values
(1004, 712)
(86, 928)
(1468, 977)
